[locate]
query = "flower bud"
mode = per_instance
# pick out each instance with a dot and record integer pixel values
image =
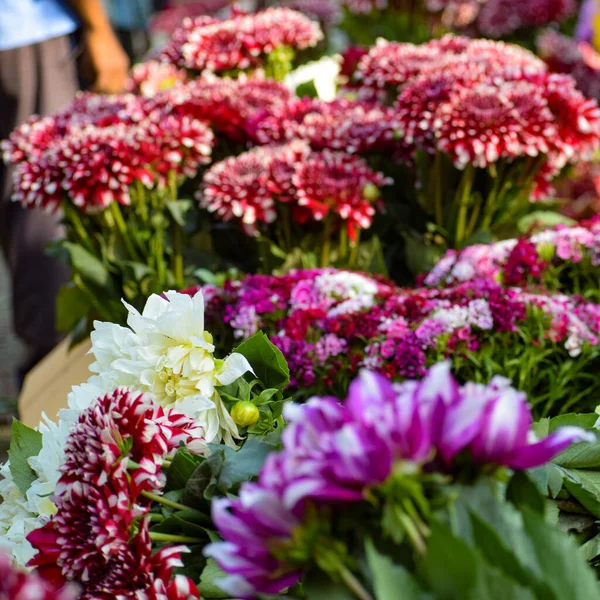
(245, 413)
(370, 192)
(546, 251)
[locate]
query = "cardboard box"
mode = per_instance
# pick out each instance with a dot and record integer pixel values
(47, 385)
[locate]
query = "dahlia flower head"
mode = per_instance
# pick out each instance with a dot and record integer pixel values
(230, 106)
(92, 152)
(480, 101)
(20, 585)
(338, 454)
(113, 456)
(166, 352)
(354, 126)
(315, 184)
(240, 42)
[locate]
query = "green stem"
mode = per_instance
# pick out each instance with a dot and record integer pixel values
(178, 257)
(343, 243)
(287, 232)
(326, 247)
(74, 217)
(354, 250)
(411, 530)
(167, 537)
(474, 216)
(165, 501)
(353, 584)
(122, 227)
(141, 201)
(437, 176)
(465, 194)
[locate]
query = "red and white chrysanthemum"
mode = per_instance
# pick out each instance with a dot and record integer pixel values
(229, 105)
(336, 182)
(113, 455)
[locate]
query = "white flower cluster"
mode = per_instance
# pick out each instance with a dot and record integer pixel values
(165, 353)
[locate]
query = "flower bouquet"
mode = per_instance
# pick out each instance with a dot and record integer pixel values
(329, 324)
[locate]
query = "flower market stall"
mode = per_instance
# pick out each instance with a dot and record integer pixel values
(337, 308)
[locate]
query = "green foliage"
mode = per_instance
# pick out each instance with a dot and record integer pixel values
(267, 361)
(24, 443)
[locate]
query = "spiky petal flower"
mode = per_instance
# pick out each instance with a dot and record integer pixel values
(339, 183)
(335, 454)
(20, 585)
(113, 454)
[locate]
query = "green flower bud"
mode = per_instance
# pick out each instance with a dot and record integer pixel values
(245, 413)
(546, 251)
(371, 192)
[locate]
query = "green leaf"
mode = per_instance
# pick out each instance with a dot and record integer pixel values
(244, 464)
(205, 276)
(585, 421)
(208, 581)
(493, 585)
(585, 486)
(181, 469)
(89, 267)
(565, 569)
(178, 210)
(543, 218)
(24, 443)
(521, 491)
(449, 567)
(202, 484)
(266, 360)
(138, 270)
(389, 578)
(71, 306)
(318, 586)
(591, 549)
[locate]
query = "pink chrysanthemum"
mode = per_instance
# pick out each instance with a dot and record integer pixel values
(498, 18)
(153, 76)
(394, 63)
(352, 126)
(238, 187)
(339, 183)
(362, 7)
(326, 12)
(483, 124)
(91, 539)
(241, 41)
(229, 105)
(173, 51)
(168, 21)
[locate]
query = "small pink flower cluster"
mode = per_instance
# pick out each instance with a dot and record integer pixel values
(99, 536)
(241, 41)
(251, 186)
(94, 150)
(480, 101)
(330, 323)
(523, 261)
(326, 12)
(501, 18)
(566, 55)
(363, 7)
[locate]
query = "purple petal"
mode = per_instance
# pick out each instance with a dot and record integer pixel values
(545, 450)
(504, 427)
(367, 393)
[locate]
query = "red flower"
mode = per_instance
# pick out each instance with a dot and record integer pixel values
(20, 585)
(339, 183)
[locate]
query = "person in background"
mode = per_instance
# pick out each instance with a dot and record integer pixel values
(130, 20)
(38, 76)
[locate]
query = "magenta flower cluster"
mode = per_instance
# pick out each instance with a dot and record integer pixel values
(329, 323)
(336, 454)
(523, 261)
